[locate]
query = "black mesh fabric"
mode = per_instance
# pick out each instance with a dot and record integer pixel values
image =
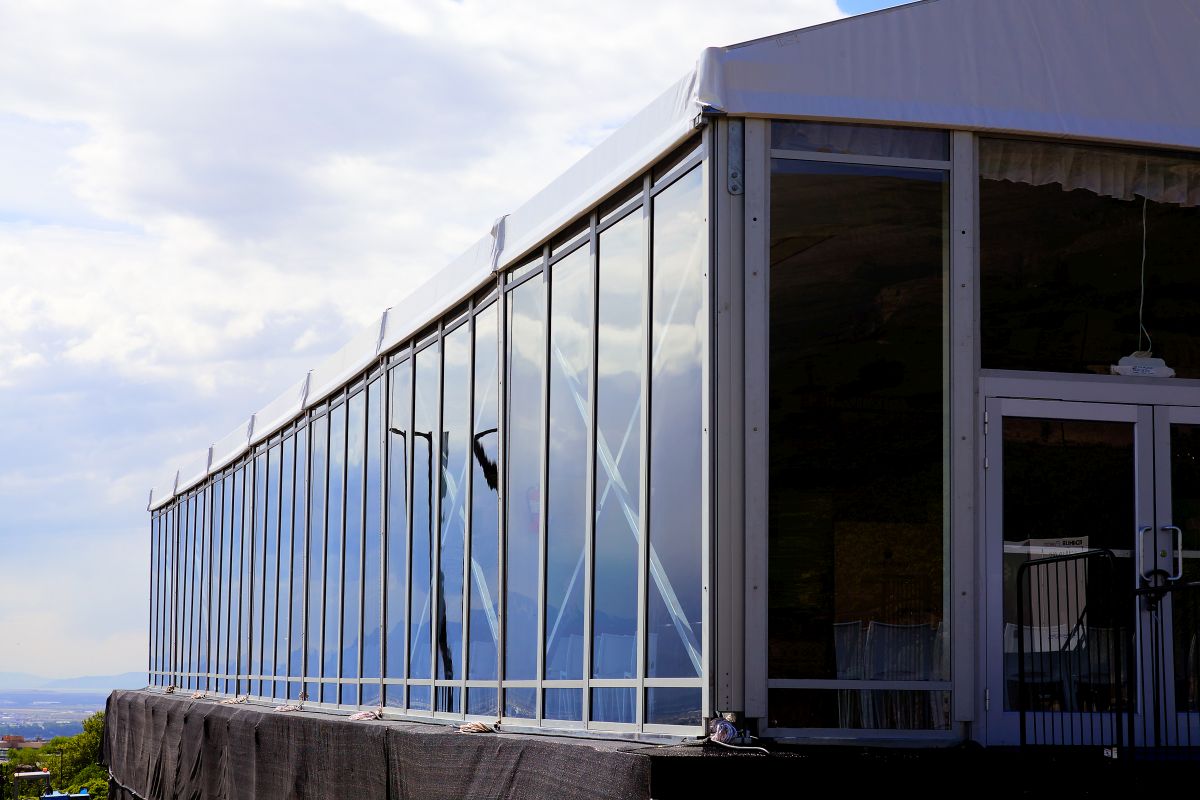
(167, 746)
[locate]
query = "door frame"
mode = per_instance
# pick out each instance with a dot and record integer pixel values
(1083, 397)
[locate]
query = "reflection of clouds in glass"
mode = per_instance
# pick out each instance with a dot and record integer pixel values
(356, 434)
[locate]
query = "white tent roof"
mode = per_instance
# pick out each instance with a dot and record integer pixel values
(1118, 70)
(1110, 70)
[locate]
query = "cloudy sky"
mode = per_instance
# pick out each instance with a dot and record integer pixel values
(200, 201)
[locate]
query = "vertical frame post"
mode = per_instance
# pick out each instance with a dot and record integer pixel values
(756, 355)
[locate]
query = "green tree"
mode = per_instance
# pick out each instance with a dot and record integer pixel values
(73, 761)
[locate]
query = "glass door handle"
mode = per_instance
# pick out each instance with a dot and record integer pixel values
(1178, 573)
(1141, 554)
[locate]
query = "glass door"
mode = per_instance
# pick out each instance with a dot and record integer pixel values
(1062, 479)
(1174, 651)
(1085, 642)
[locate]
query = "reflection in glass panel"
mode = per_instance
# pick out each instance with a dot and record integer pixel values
(672, 706)
(1054, 470)
(1061, 257)
(258, 545)
(193, 590)
(169, 585)
(316, 552)
(218, 592)
(220, 654)
(566, 516)
(562, 704)
(675, 626)
(454, 462)
(483, 572)
(614, 704)
(858, 708)
(232, 638)
(373, 543)
(160, 569)
(425, 414)
(864, 140)
(271, 566)
(246, 544)
(155, 554)
(483, 701)
(185, 593)
(299, 544)
(620, 361)
(857, 398)
(526, 341)
(1185, 605)
(520, 702)
(333, 551)
(206, 589)
(399, 424)
(286, 572)
(418, 698)
(352, 571)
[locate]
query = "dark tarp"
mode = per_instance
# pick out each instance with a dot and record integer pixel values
(167, 746)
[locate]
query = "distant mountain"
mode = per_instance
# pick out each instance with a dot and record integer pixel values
(15, 681)
(126, 680)
(20, 680)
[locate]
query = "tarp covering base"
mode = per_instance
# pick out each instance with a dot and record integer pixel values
(166, 746)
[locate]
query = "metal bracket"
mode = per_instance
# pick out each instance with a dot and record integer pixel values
(737, 156)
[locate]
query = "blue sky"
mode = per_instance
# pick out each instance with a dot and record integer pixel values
(200, 201)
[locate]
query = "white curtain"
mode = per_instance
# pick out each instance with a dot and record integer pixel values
(1104, 171)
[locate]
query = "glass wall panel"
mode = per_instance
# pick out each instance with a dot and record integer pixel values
(179, 610)
(258, 562)
(455, 461)
(614, 704)
(334, 570)
(863, 140)
(526, 346)
(205, 559)
(1086, 255)
(168, 595)
(152, 679)
(399, 425)
(271, 568)
(299, 565)
(857, 423)
(671, 706)
(620, 364)
(563, 704)
(520, 702)
(352, 593)
(232, 591)
(424, 510)
(237, 583)
(485, 514)
(195, 531)
(185, 593)
(172, 602)
(160, 598)
(571, 300)
(675, 627)
(483, 701)
(373, 547)
(221, 580)
(318, 487)
(287, 572)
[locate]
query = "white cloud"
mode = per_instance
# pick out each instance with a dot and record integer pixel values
(203, 199)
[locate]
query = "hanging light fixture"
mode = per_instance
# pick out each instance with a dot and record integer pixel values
(1142, 362)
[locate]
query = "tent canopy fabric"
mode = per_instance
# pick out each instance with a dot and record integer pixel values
(1102, 70)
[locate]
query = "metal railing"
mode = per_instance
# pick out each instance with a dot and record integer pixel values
(1074, 642)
